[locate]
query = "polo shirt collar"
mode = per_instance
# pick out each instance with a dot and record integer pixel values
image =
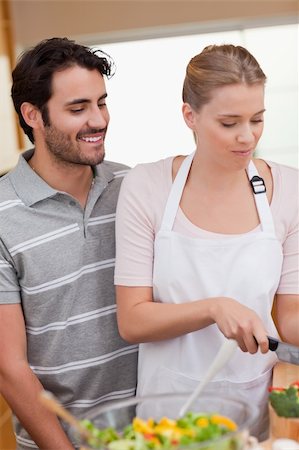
(103, 173)
(31, 188)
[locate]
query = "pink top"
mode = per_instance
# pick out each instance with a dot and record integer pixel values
(140, 209)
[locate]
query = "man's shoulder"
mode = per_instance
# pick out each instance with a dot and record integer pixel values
(115, 166)
(7, 191)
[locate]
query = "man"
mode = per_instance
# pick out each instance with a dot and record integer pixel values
(58, 327)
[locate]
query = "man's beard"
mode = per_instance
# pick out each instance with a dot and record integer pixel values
(65, 151)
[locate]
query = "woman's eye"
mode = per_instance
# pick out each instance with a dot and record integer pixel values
(228, 125)
(257, 121)
(101, 105)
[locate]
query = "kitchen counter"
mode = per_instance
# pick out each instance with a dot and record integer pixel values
(266, 445)
(283, 375)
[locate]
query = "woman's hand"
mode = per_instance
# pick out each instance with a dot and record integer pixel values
(238, 322)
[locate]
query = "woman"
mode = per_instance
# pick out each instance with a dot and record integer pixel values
(201, 254)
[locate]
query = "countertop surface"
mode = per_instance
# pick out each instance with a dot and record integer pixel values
(266, 445)
(283, 375)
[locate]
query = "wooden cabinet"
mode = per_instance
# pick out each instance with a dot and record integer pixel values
(7, 438)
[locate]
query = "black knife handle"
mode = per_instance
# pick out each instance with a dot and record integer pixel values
(273, 343)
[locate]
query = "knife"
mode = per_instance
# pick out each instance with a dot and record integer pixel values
(285, 352)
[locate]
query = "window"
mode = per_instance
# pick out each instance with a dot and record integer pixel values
(144, 96)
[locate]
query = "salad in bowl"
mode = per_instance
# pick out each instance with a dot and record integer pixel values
(153, 423)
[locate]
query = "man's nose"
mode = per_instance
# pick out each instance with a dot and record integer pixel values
(99, 118)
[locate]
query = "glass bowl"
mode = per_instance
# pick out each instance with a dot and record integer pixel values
(119, 414)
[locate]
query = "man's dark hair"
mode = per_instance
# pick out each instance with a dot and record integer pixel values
(32, 76)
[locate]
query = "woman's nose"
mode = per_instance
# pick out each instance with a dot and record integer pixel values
(245, 135)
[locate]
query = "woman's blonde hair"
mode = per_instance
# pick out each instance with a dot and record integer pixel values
(217, 66)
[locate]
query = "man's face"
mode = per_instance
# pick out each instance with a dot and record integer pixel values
(78, 117)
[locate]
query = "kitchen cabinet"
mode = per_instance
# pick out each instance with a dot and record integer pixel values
(7, 438)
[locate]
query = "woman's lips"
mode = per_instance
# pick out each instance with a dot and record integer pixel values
(243, 153)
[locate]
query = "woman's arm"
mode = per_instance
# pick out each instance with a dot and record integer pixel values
(140, 319)
(287, 317)
(286, 215)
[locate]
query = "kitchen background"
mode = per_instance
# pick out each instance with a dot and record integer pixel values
(151, 43)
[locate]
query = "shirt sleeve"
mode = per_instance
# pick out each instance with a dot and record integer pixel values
(9, 286)
(287, 221)
(289, 281)
(135, 230)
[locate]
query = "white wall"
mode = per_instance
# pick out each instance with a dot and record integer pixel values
(144, 96)
(8, 153)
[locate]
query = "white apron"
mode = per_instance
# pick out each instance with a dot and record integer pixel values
(245, 267)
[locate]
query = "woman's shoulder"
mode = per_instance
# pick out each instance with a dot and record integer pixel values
(145, 189)
(151, 173)
(282, 173)
(154, 166)
(284, 204)
(284, 181)
(285, 178)
(285, 192)
(283, 168)
(166, 169)
(148, 182)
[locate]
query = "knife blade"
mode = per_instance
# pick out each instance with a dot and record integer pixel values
(285, 352)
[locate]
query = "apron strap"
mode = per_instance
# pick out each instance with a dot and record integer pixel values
(176, 194)
(258, 187)
(261, 200)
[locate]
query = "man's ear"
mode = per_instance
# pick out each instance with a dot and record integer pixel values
(32, 115)
(188, 115)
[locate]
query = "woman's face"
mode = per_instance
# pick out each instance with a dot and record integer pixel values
(229, 127)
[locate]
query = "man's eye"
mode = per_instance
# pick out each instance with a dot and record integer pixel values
(101, 105)
(77, 110)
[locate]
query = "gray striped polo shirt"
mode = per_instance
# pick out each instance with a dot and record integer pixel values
(57, 260)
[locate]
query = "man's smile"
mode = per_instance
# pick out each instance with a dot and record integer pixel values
(92, 139)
